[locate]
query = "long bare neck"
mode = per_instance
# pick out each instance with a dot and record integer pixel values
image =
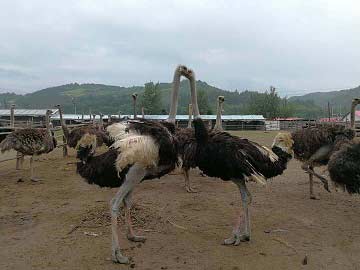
(354, 103)
(174, 95)
(194, 102)
(218, 124)
(47, 121)
(63, 125)
(134, 104)
(190, 116)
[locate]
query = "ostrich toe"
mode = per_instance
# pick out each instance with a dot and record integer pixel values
(190, 189)
(236, 239)
(35, 179)
(117, 257)
(136, 238)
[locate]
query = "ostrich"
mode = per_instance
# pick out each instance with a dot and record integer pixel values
(344, 164)
(218, 124)
(190, 116)
(31, 142)
(143, 149)
(73, 137)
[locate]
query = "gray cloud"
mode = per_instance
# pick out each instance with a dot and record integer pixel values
(295, 45)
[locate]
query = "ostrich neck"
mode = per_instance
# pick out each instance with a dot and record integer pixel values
(284, 157)
(218, 124)
(63, 125)
(174, 96)
(194, 102)
(190, 116)
(134, 104)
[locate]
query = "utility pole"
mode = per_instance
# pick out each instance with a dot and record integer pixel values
(329, 110)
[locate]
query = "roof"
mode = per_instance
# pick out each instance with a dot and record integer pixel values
(163, 117)
(27, 112)
(347, 116)
(289, 118)
(332, 119)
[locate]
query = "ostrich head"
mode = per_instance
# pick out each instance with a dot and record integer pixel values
(221, 99)
(134, 96)
(86, 147)
(285, 142)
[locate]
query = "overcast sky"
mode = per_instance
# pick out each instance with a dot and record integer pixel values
(298, 46)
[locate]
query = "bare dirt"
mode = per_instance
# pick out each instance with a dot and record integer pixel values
(63, 223)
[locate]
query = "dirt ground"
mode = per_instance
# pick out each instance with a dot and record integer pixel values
(63, 222)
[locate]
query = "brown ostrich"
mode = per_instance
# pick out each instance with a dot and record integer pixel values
(31, 142)
(73, 137)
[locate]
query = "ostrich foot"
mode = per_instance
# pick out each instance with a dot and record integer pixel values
(34, 179)
(117, 257)
(313, 197)
(236, 239)
(190, 189)
(136, 238)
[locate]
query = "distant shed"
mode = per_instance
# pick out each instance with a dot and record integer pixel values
(25, 117)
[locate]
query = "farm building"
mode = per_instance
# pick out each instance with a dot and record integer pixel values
(230, 122)
(24, 117)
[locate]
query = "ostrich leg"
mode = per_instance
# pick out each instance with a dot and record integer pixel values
(32, 177)
(130, 233)
(311, 184)
(133, 177)
(187, 181)
(242, 220)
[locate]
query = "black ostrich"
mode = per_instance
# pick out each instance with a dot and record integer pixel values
(314, 145)
(344, 164)
(143, 149)
(31, 142)
(73, 137)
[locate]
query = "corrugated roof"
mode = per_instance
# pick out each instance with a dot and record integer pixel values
(163, 117)
(27, 112)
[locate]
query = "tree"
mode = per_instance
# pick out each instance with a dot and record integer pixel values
(151, 99)
(203, 102)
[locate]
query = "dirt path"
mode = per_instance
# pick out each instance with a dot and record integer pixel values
(184, 231)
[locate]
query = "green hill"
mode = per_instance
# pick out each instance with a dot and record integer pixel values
(112, 99)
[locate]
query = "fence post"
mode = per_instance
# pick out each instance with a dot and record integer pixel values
(12, 116)
(65, 151)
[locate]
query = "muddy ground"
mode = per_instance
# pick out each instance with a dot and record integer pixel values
(63, 223)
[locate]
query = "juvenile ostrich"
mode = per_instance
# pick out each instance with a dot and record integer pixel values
(31, 142)
(73, 137)
(218, 124)
(142, 150)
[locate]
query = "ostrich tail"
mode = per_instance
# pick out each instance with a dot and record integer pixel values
(86, 147)
(344, 168)
(7, 144)
(201, 133)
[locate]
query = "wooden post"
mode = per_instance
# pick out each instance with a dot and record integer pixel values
(354, 103)
(12, 116)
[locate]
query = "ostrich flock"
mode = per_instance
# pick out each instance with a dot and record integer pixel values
(140, 149)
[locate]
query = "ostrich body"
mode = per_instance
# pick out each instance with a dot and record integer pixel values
(344, 164)
(230, 158)
(143, 149)
(218, 124)
(30, 142)
(74, 136)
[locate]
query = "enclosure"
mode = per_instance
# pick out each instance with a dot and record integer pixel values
(63, 223)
